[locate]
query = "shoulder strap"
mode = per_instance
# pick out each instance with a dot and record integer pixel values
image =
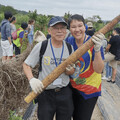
(69, 48)
(3, 23)
(19, 30)
(42, 51)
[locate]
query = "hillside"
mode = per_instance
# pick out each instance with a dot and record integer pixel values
(7, 8)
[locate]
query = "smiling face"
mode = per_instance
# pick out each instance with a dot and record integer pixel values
(77, 29)
(57, 32)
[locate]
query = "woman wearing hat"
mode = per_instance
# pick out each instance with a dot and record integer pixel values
(90, 31)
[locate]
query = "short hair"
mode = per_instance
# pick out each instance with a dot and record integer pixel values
(31, 21)
(13, 19)
(76, 17)
(7, 15)
(24, 25)
(117, 29)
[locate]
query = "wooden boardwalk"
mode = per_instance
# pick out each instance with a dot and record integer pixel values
(0, 50)
(109, 102)
(118, 75)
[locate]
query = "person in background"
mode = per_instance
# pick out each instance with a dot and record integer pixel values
(108, 67)
(114, 52)
(13, 27)
(48, 36)
(86, 80)
(31, 31)
(20, 35)
(12, 24)
(90, 30)
(107, 72)
(104, 45)
(86, 27)
(57, 97)
(6, 43)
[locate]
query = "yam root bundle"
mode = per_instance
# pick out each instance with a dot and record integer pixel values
(72, 59)
(13, 85)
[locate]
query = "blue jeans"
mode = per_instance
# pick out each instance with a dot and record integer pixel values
(108, 70)
(30, 39)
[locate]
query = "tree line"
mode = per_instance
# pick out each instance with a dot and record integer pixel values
(41, 20)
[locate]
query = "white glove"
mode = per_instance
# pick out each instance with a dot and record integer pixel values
(70, 67)
(36, 85)
(39, 36)
(97, 39)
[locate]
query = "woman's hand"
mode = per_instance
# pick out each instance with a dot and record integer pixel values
(97, 39)
(70, 69)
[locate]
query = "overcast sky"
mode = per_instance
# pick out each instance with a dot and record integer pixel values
(106, 9)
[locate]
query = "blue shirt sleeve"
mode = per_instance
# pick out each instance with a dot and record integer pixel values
(21, 35)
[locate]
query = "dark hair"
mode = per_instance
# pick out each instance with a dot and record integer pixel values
(7, 15)
(117, 29)
(24, 25)
(13, 19)
(31, 21)
(76, 17)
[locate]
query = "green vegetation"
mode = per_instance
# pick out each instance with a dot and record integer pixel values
(21, 18)
(7, 8)
(41, 21)
(13, 116)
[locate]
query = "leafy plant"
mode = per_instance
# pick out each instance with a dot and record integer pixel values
(33, 15)
(1, 17)
(21, 18)
(13, 116)
(42, 21)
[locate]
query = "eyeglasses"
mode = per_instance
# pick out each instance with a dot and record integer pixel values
(59, 28)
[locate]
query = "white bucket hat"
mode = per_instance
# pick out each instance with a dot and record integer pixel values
(89, 24)
(39, 36)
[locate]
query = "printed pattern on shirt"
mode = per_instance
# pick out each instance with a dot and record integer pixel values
(85, 79)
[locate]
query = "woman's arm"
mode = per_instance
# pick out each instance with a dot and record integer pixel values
(98, 63)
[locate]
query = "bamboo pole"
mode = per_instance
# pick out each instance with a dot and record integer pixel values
(72, 59)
